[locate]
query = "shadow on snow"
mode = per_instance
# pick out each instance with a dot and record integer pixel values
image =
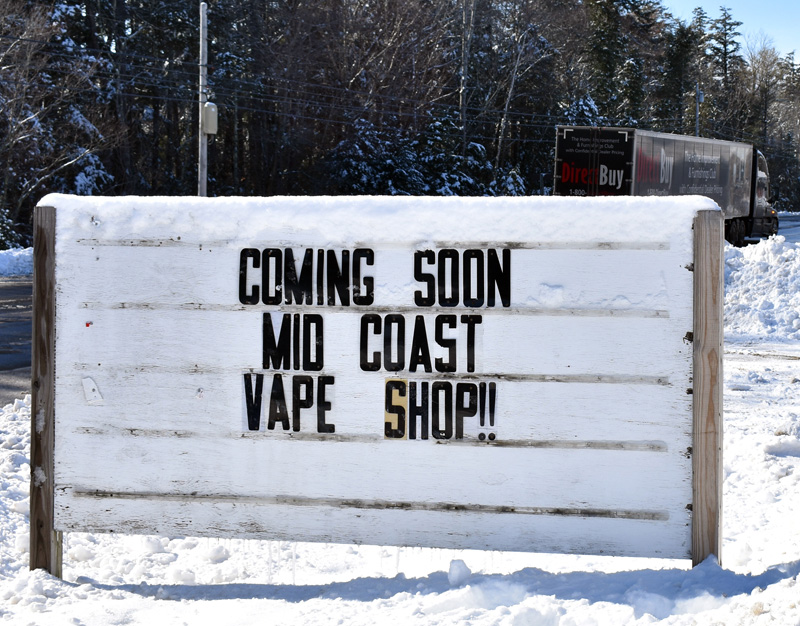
(657, 591)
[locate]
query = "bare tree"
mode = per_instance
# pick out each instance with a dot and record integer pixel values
(763, 82)
(45, 133)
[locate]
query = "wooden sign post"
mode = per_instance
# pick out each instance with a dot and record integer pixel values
(485, 373)
(709, 300)
(45, 546)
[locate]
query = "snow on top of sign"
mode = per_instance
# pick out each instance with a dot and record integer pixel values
(323, 220)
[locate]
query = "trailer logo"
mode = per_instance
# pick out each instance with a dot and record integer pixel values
(602, 176)
(650, 170)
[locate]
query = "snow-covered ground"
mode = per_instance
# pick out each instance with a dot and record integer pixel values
(158, 580)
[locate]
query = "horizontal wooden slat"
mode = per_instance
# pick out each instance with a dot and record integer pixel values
(210, 404)
(541, 279)
(413, 471)
(350, 503)
(179, 242)
(442, 529)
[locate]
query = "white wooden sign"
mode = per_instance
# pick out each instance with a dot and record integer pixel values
(504, 374)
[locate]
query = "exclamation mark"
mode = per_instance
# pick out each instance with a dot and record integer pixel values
(492, 403)
(482, 389)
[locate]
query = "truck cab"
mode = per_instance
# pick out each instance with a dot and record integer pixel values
(764, 217)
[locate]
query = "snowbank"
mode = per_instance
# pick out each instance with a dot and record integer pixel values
(762, 291)
(17, 262)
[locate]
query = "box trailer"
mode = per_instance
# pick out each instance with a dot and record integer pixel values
(595, 161)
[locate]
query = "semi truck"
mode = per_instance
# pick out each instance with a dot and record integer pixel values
(604, 161)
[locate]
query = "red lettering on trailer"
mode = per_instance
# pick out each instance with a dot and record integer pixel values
(647, 168)
(572, 174)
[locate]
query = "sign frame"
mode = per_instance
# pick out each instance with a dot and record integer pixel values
(707, 342)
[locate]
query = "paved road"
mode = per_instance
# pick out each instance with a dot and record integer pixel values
(789, 226)
(15, 337)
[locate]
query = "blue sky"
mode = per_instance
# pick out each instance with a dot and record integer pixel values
(777, 19)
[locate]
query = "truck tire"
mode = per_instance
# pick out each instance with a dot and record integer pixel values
(734, 232)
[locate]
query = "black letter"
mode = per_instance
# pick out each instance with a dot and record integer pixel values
(278, 352)
(296, 342)
(277, 404)
(428, 279)
(500, 276)
(266, 280)
(448, 254)
(465, 409)
(253, 401)
(299, 289)
(323, 405)
(370, 319)
(450, 344)
(417, 410)
(310, 320)
(469, 300)
(248, 253)
(301, 402)
(400, 363)
(447, 433)
(420, 354)
(320, 276)
(338, 278)
(471, 321)
(369, 283)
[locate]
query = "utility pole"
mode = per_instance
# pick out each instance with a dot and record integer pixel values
(698, 98)
(202, 157)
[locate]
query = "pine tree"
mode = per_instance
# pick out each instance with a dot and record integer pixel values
(606, 47)
(675, 93)
(724, 90)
